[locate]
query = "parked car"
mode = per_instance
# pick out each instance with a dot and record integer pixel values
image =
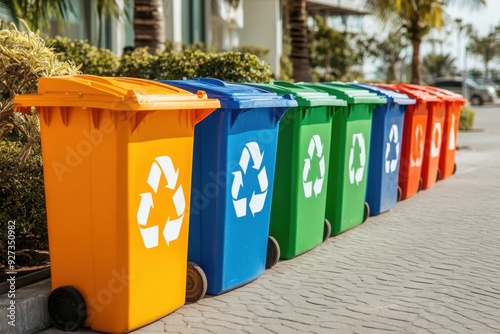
(477, 94)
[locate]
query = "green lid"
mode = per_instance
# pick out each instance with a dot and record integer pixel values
(353, 95)
(305, 97)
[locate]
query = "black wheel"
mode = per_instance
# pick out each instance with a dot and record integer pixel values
(438, 176)
(454, 168)
(327, 231)
(476, 100)
(420, 184)
(400, 193)
(196, 283)
(367, 212)
(67, 308)
(273, 252)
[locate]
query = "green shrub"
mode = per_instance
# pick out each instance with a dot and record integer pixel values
(22, 196)
(178, 65)
(91, 59)
(236, 67)
(137, 64)
(24, 58)
(467, 117)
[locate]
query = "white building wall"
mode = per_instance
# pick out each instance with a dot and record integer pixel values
(263, 28)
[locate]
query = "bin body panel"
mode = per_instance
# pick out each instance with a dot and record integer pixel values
(347, 176)
(231, 246)
(121, 281)
(385, 153)
(433, 141)
(450, 136)
(114, 182)
(299, 198)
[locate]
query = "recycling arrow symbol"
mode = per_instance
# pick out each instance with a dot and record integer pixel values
(162, 166)
(315, 144)
(251, 151)
(356, 171)
(417, 147)
(391, 164)
(436, 140)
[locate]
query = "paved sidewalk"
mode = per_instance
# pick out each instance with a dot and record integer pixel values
(431, 265)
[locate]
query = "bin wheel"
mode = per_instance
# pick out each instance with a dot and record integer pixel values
(67, 308)
(327, 231)
(196, 283)
(454, 168)
(273, 252)
(367, 212)
(438, 177)
(420, 184)
(400, 193)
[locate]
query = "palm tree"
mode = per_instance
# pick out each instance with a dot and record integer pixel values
(418, 18)
(439, 65)
(37, 13)
(487, 47)
(149, 24)
(298, 34)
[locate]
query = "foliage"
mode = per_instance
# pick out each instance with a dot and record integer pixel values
(467, 117)
(21, 193)
(255, 50)
(38, 13)
(332, 53)
(236, 67)
(137, 64)
(439, 65)
(24, 59)
(179, 65)
(286, 67)
(487, 48)
(417, 19)
(92, 60)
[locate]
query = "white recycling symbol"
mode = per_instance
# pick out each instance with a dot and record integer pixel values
(150, 235)
(451, 142)
(436, 140)
(257, 200)
(315, 144)
(356, 174)
(390, 165)
(418, 149)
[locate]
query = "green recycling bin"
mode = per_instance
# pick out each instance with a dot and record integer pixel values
(299, 196)
(349, 154)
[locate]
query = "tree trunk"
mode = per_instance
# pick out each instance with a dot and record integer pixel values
(298, 34)
(149, 24)
(416, 66)
(100, 4)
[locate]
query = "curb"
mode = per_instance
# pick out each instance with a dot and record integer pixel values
(30, 313)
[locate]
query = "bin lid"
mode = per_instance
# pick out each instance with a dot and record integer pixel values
(413, 91)
(353, 95)
(112, 94)
(234, 95)
(306, 97)
(446, 94)
(391, 95)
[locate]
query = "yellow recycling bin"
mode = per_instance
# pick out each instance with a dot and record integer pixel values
(117, 157)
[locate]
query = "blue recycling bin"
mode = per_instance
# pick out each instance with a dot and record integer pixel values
(233, 173)
(382, 191)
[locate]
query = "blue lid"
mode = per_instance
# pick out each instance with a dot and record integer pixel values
(233, 95)
(391, 95)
